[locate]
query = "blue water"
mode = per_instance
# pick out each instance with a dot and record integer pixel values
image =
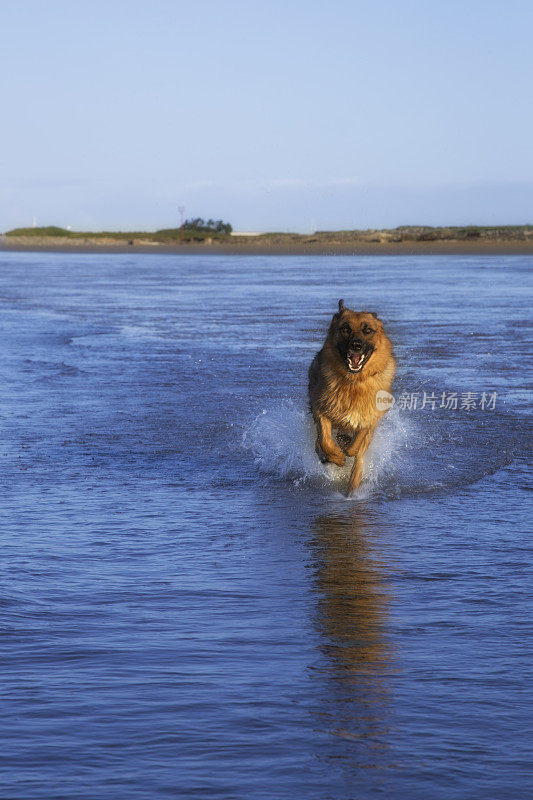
(190, 607)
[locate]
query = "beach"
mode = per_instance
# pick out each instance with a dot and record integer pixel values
(280, 245)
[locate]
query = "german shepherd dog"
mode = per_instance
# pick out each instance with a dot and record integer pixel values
(349, 387)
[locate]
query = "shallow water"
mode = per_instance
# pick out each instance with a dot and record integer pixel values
(190, 606)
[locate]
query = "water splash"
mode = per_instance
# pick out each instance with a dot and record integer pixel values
(282, 442)
(409, 454)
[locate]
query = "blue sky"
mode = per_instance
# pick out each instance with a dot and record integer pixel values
(275, 116)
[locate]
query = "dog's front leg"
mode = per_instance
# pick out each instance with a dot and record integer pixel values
(355, 444)
(358, 448)
(326, 443)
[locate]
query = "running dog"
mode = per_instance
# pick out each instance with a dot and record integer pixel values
(349, 387)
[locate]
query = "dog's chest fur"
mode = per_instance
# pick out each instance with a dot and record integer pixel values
(348, 403)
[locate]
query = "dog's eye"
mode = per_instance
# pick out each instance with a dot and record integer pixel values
(367, 330)
(346, 330)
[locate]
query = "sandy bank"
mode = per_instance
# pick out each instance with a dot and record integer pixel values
(279, 246)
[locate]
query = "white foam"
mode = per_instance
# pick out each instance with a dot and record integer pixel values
(282, 441)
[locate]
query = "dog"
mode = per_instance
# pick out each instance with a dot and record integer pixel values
(349, 387)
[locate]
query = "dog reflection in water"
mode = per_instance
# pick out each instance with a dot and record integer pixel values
(352, 620)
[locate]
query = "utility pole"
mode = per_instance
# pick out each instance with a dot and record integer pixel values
(181, 209)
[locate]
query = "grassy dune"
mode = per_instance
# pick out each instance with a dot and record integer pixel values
(163, 236)
(405, 239)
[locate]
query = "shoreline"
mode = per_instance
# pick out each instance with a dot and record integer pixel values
(410, 248)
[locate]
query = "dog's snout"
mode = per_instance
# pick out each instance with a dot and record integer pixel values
(356, 345)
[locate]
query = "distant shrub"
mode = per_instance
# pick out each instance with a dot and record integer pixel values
(211, 226)
(196, 230)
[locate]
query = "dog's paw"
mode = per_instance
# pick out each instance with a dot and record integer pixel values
(337, 458)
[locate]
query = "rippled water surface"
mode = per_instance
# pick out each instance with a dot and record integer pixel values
(189, 605)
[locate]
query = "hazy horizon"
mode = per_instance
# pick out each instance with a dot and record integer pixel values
(290, 117)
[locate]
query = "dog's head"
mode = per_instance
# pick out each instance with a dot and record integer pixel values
(358, 337)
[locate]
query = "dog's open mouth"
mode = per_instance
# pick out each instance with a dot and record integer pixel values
(356, 361)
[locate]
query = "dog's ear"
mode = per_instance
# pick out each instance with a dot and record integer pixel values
(341, 306)
(373, 314)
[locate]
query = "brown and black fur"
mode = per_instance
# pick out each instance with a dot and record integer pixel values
(354, 364)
